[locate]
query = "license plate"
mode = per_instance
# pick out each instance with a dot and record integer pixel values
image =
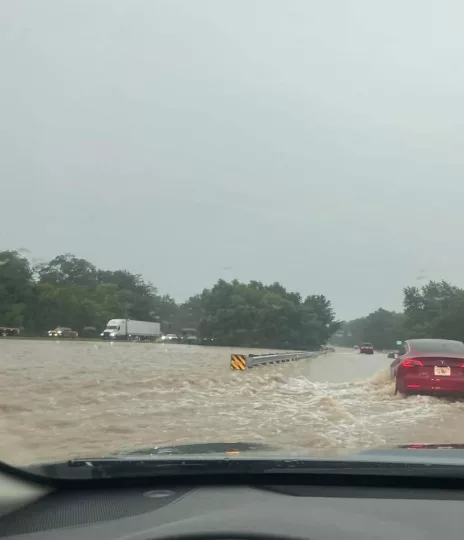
(443, 371)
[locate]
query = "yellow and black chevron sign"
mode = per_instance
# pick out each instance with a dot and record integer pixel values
(238, 361)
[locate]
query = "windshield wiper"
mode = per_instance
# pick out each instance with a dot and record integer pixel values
(112, 467)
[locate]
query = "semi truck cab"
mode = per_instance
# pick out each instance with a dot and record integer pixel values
(115, 328)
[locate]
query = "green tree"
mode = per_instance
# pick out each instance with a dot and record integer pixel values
(253, 314)
(189, 314)
(382, 328)
(67, 269)
(70, 291)
(139, 298)
(15, 289)
(436, 310)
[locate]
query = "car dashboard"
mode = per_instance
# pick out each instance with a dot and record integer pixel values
(233, 512)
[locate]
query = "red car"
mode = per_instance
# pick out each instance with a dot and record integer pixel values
(429, 366)
(366, 348)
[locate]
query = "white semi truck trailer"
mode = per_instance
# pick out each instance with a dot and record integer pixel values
(130, 330)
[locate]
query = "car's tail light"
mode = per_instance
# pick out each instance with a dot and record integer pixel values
(411, 362)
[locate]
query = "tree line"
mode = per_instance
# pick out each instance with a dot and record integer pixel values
(435, 310)
(70, 291)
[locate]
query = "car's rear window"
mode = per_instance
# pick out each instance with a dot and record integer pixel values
(437, 346)
(366, 345)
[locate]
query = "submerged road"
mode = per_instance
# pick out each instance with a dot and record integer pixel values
(346, 365)
(62, 399)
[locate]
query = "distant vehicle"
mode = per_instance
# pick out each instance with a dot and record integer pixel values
(366, 348)
(356, 347)
(8, 332)
(90, 332)
(169, 338)
(130, 330)
(189, 336)
(429, 366)
(63, 332)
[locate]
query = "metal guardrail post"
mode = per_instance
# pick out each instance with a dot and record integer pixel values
(238, 362)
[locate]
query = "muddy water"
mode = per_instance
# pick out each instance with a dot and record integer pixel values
(62, 399)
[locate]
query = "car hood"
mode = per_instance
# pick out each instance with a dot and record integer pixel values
(433, 454)
(412, 453)
(213, 450)
(246, 457)
(220, 454)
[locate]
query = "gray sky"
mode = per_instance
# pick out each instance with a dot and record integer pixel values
(319, 144)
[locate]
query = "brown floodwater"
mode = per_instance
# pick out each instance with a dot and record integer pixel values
(61, 399)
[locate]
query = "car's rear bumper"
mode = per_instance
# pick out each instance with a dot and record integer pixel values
(432, 385)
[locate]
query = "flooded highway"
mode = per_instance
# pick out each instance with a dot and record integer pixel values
(66, 399)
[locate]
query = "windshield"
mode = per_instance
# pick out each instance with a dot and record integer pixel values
(195, 189)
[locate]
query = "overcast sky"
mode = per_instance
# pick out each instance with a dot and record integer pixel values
(319, 144)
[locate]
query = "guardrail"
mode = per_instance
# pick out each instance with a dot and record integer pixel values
(242, 362)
